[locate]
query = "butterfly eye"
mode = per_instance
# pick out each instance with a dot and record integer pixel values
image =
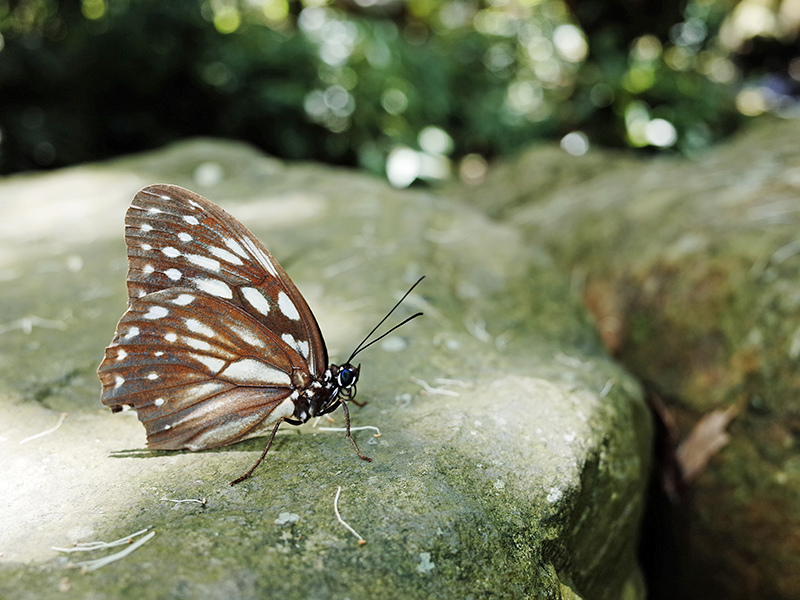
(347, 377)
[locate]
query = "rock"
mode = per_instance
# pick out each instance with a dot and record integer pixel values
(690, 268)
(513, 453)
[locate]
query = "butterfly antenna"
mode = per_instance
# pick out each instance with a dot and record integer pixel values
(363, 345)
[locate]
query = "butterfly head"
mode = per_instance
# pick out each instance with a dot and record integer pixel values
(346, 378)
(338, 385)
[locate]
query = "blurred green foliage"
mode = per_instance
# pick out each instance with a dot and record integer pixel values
(450, 84)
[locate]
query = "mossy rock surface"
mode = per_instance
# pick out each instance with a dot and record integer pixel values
(691, 269)
(513, 453)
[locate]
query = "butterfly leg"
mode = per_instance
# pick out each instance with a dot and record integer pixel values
(349, 437)
(264, 453)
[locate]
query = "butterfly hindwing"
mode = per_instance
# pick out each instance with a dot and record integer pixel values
(200, 371)
(177, 238)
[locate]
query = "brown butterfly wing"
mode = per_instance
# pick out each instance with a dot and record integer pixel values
(192, 384)
(217, 341)
(177, 238)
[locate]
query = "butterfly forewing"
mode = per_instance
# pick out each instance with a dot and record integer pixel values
(199, 371)
(177, 238)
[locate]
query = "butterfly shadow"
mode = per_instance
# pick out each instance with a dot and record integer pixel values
(140, 453)
(249, 445)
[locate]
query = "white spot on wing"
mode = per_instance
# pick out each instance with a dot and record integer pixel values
(156, 312)
(259, 255)
(225, 255)
(173, 274)
(121, 354)
(286, 306)
(248, 336)
(251, 425)
(183, 299)
(204, 262)
(236, 247)
(256, 299)
(146, 247)
(171, 337)
(254, 425)
(284, 410)
(184, 237)
(132, 332)
(118, 381)
(171, 252)
(152, 376)
(301, 347)
(215, 287)
(158, 401)
(191, 220)
(154, 211)
(212, 363)
(265, 260)
(197, 344)
(249, 370)
(193, 393)
(159, 353)
(146, 227)
(147, 269)
(196, 326)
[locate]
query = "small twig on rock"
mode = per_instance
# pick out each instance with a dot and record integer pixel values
(200, 501)
(359, 428)
(92, 565)
(361, 540)
(446, 381)
(46, 431)
(89, 546)
(432, 390)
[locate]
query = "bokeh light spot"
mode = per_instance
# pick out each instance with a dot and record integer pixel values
(93, 9)
(575, 143)
(394, 101)
(472, 169)
(646, 48)
(402, 167)
(661, 133)
(435, 140)
(275, 10)
(570, 43)
(227, 19)
(751, 102)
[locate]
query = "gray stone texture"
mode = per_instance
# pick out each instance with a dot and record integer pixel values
(690, 268)
(519, 473)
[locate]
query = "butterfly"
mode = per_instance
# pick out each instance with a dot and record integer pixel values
(217, 344)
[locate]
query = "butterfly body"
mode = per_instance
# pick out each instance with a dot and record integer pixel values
(322, 395)
(217, 344)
